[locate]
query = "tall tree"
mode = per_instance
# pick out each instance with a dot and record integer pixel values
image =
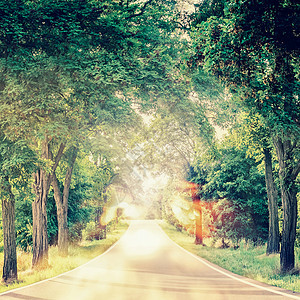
(254, 48)
(42, 182)
(251, 132)
(61, 200)
(65, 61)
(273, 245)
(16, 163)
(10, 271)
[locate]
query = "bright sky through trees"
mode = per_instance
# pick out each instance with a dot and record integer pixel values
(110, 105)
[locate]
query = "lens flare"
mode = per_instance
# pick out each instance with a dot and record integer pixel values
(142, 243)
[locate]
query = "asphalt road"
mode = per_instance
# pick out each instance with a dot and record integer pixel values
(145, 264)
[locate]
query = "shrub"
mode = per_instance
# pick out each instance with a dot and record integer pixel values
(231, 222)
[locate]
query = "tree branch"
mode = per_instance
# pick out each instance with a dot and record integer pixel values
(110, 181)
(141, 11)
(57, 192)
(69, 176)
(296, 171)
(58, 156)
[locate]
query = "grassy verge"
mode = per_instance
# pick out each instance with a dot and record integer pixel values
(248, 260)
(78, 255)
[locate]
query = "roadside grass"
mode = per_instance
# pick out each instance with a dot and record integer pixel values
(248, 261)
(78, 255)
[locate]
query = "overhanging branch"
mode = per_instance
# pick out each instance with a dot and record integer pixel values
(58, 156)
(296, 171)
(141, 11)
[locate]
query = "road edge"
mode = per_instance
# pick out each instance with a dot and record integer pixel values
(246, 280)
(54, 277)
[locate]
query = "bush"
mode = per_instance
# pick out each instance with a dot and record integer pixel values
(231, 222)
(94, 231)
(237, 177)
(75, 233)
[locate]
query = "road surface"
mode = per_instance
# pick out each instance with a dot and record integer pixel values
(146, 265)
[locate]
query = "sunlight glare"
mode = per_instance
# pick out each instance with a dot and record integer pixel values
(142, 243)
(129, 211)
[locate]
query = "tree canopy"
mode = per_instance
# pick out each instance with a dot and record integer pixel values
(253, 47)
(95, 94)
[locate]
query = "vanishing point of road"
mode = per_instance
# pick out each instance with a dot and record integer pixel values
(146, 265)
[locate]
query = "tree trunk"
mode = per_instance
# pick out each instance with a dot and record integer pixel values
(199, 229)
(62, 215)
(287, 174)
(193, 188)
(273, 245)
(42, 181)
(10, 273)
(62, 206)
(39, 218)
(287, 255)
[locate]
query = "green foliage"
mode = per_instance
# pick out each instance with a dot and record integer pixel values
(17, 162)
(234, 176)
(175, 135)
(52, 227)
(82, 54)
(89, 229)
(69, 67)
(253, 48)
(216, 101)
(231, 223)
(207, 8)
(24, 222)
(78, 215)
